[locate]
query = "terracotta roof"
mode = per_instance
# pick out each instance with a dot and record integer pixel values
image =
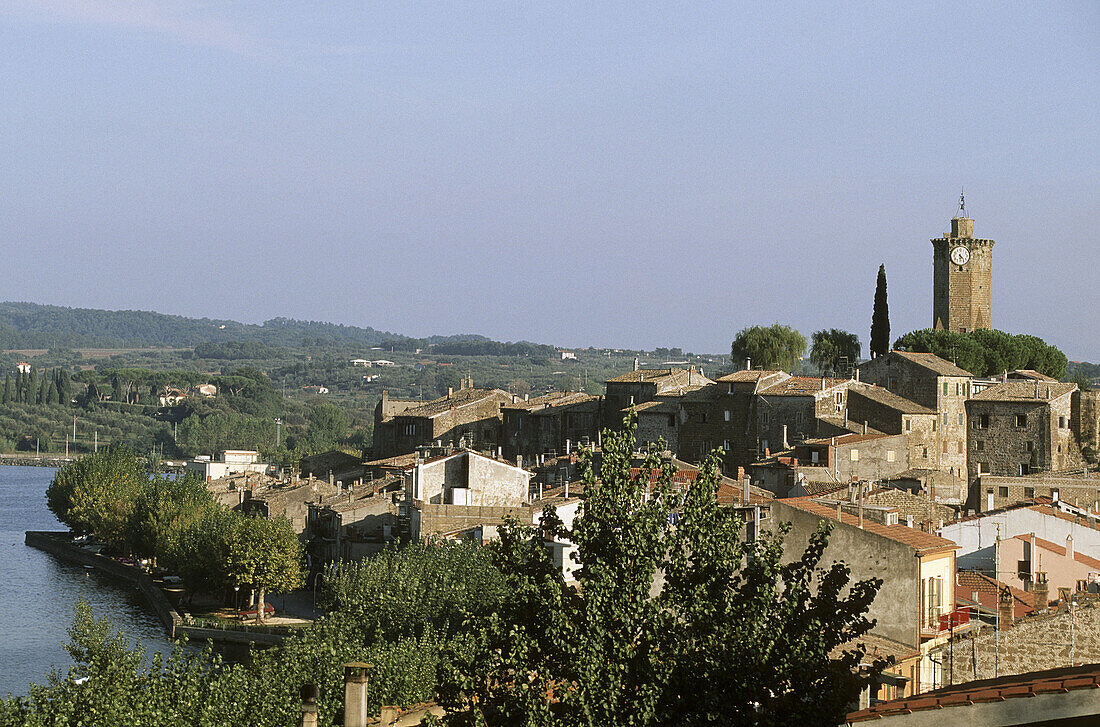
(462, 397)
(801, 386)
(848, 438)
(1031, 392)
(889, 399)
(1060, 550)
(933, 363)
(657, 406)
(922, 542)
(1030, 374)
(399, 460)
(878, 647)
(1051, 681)
(988, 590)
(746, 376)
(548, 401)
(644, 375)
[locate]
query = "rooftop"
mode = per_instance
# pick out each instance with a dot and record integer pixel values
(1060, 550)
(747, 376)
(548, 401)
(988, 589)
(924, 543)
(933, 363)
(1024, 391)
(645, 375)
(462, 397)
(889, 399)
(801, 386)
(1051, 681)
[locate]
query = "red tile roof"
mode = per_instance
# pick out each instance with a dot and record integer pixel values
(801, 386)
(1051, 681)
(746, 375)
(933, 363)
(1060, 550)
(924, 543)
(988, 590)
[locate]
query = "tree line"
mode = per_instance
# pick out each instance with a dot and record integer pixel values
(54, 387)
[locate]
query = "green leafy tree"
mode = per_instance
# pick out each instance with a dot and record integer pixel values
(327, 424)
(769, 347)
(265, 553)
(730, 634)
(987, 352)
(880, 318)
(98, 494)
(197, 548)
(834, 350)
(164, 506)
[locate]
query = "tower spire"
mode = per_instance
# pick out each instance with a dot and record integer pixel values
(962, 203)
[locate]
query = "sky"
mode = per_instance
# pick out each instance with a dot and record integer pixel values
(585, 174)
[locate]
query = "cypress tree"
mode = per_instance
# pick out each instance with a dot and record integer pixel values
(7, 388)
(31, 383)
(880, 318)
(18, 386)
(44, 390)
(51, 391)
(64, 388)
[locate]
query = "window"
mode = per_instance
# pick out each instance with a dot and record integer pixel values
(962, 419)
(1029, 493)
(983, 421)
(815, 456)
(764, 417)
(727, 415)
(926, 452)
(410, 430)
(908, 424)
(945, 416)
(945, 446)
(892, 383)
(703, 417)
(962, 447)
(1029, 446)
(945, 388)
(891, 456)
(934, 424)
(983, 468)
(958, 389)
(763, 445)
(966, 389)
(854, 455)
(979, 445)
(1061, 422)
(1025, 469)
(672, 421)
(1002, 491)
(1021, 420)
(726, 445)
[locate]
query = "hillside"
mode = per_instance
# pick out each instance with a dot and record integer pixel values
(30, 325)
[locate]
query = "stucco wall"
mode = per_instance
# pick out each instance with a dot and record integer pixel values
(897, 603)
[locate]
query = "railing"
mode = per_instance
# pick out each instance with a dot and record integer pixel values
(203, 622)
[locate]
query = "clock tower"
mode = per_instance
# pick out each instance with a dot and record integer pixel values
(962, 273)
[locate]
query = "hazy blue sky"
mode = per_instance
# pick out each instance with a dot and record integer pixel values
(616, 174)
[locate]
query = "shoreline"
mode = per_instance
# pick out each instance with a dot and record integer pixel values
(58, 543)
(22, 460)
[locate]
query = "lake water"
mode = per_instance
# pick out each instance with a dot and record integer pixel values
(38, 590)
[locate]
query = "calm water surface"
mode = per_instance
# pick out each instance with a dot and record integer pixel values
(38, 590)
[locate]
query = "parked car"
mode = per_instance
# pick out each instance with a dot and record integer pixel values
(252, 612)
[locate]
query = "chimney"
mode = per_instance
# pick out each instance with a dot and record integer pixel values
(388, 716)
(908, 521)
(450, 391)
(526, 397)
(635, 363)
(823, 383)
(1069, 548)
(785, 444)
(568, 446)
(857, 373)
(355, 694)
(864, 426)
(519, 461)
(1005, 609)
(1041, 590)
(748, 364)
(309, 693)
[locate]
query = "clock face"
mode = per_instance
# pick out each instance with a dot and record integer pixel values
(960, 255)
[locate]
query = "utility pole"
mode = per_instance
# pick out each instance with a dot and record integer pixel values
(74, 428)
(66, 445)
(95, 447)
(278, 425)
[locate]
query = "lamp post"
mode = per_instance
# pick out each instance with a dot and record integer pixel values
(236, 600)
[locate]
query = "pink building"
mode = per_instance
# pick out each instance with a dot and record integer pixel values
(1021, 557)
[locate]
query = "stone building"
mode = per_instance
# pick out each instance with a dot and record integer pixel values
(833, 460)
(545, 424)
(885, 411)
(465, 418)
(962, 278)
(998, 491)
(1020, 427)
(936, 384)
(659, 424)
(642, 385)
(790, 409)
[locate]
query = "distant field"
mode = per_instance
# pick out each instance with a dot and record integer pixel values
(94, 352)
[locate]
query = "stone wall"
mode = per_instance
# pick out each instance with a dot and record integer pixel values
(998, 491)
(1032, 644)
